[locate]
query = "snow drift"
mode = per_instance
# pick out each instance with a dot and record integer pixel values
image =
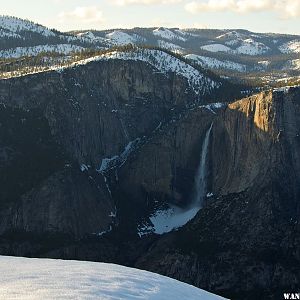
(33, 278)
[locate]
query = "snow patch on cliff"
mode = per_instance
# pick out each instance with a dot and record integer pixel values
(170, 46)
(119, 160)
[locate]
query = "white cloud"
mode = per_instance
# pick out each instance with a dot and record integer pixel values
(83, 14)
(289, 8)
(285, 8)
(144, 2)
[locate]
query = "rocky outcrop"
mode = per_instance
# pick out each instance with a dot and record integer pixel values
(42, 190)
(68, 203)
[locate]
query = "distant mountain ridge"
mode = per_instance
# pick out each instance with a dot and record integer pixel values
(238, 53)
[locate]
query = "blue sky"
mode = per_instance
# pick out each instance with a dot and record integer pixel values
(256, 15)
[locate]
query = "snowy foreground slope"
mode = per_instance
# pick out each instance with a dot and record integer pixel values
(33, 278)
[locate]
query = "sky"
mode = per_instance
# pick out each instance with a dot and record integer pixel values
(280, 16)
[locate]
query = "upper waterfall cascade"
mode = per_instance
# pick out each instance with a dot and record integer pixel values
(201, 174)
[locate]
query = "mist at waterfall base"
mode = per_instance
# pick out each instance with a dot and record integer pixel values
(174, 217)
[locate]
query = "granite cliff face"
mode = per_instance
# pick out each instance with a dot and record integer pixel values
(87, 107)
(93, 151)
(95, 113)
(94, 103)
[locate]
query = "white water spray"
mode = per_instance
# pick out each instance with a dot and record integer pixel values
(201, 174)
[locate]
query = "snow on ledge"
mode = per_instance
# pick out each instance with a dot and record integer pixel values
(33, 278)
(214, 106)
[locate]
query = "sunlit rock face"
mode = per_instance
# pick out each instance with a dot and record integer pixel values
(258, 137)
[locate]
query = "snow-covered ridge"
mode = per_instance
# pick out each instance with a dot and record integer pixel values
(290, 47)
(213, 63)
(168, 34)
(247, 46)
(162, 62)
(35, 50)
(12, 27)
(216, 48)
(5, 33)
(88, 37)
(122, 38)
(292, 65)
(183, 32)
(241, 43)
(170, 46)
(230, 35)
(114, 38)
(34, 278)
(87, 34)
(15, 25)
(251, 47)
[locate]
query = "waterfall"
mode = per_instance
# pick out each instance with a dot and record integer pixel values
(200, 178)
(165, 220)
